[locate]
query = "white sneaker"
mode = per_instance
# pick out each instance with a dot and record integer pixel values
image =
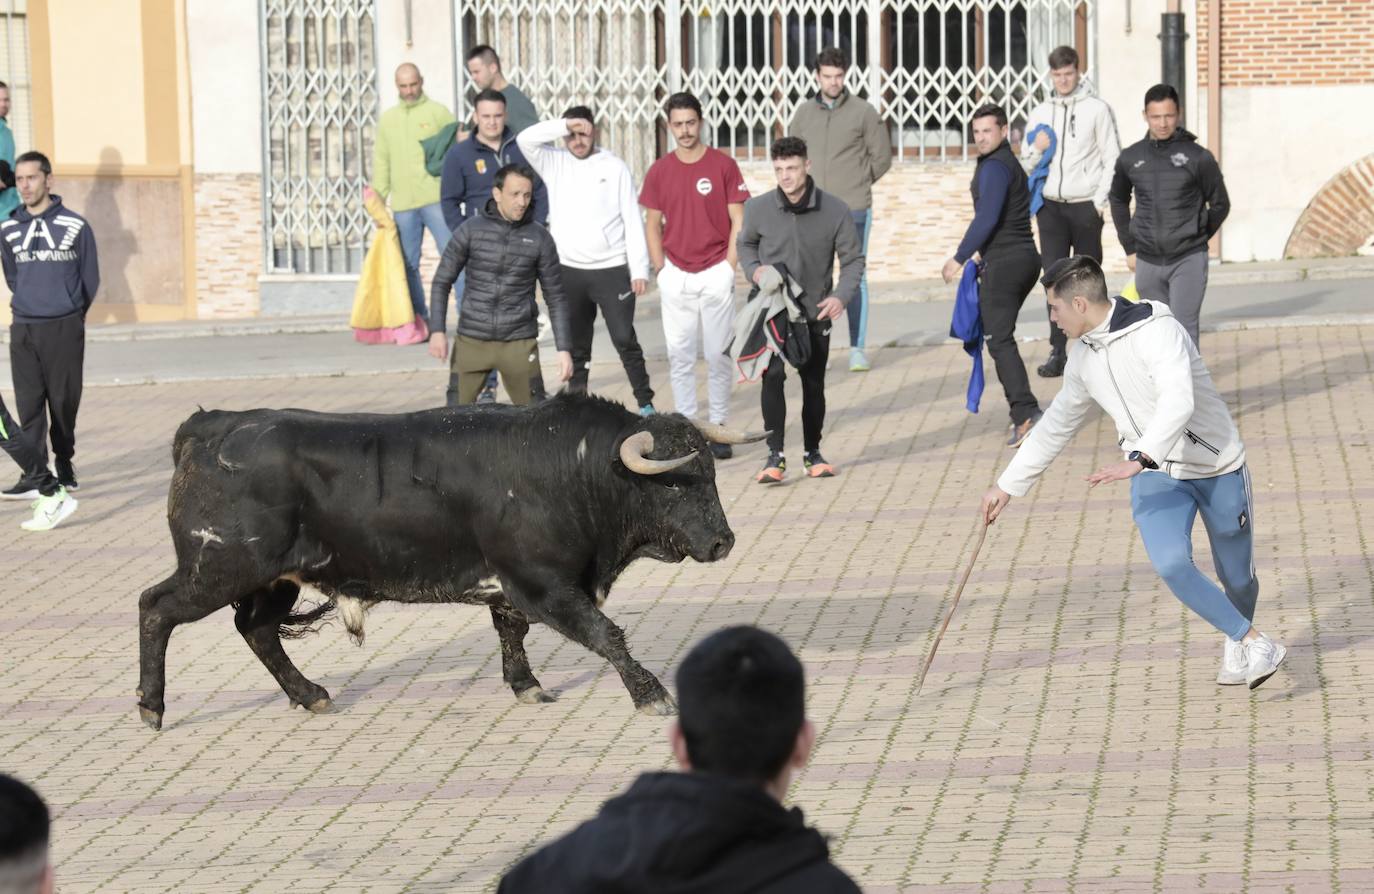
(48, 512)
(1263, 656)
(1233, 663)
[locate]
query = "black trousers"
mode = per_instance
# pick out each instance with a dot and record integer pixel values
(773, 396)
(1064, 226)
(1005, 281)
(46, 362)
(12, 440)
(607, 289)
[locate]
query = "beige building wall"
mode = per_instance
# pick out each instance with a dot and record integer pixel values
(113, 129)
(226, 115)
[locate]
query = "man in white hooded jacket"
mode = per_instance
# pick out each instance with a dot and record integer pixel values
(602, 250)
(1079, 175)
(1183, 453)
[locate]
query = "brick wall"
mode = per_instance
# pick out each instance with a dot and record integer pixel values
(920, 212)
(1265, 42)
(1340, 218)
(228, 244)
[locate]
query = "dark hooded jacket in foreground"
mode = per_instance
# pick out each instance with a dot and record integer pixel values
(685, 833)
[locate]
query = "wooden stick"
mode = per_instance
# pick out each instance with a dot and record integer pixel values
(982, 533)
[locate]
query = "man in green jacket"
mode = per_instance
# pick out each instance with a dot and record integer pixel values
(850, 150)
(9, 196)
(399, 174)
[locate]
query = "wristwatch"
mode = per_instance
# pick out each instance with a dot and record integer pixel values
(1136, 456)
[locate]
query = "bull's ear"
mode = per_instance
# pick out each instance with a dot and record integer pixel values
(635, 450)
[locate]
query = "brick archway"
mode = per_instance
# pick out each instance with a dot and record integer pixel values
(1340, 217)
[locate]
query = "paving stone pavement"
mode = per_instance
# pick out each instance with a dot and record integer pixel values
(1070, 736)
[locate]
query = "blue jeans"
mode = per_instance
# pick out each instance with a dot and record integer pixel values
(1165, 508)
(410, 226)
(858, 309)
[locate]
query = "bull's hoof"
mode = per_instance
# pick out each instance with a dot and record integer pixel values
(321, 706)
(662, 707)
(535, 695)
(150, 717)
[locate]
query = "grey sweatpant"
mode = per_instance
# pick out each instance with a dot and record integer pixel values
(1180, 285)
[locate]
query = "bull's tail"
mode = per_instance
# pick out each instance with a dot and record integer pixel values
(299, 624)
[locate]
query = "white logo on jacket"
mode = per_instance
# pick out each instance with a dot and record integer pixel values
(1179, 159)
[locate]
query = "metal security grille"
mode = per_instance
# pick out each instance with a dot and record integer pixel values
(603, 53)
(319, 112)
(925, 64)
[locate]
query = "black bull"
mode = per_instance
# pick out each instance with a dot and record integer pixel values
(533, 513)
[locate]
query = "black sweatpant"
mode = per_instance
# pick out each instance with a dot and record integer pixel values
(34, 470)
(46, 362)
(607, 289)
(1005, 281)
(1064, 226)
(773, 396)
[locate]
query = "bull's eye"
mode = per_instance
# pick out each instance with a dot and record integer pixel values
(670, 486)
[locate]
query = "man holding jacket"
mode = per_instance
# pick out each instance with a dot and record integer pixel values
(1001, 234)
(849, 152)
(1183, 455)
(1180, 203)
(800, 229)
(505, 252)
(1079, 176)
(50, 263)
(595, 222)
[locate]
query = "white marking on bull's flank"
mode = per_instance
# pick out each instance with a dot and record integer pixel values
(207, 536)
(252, 540)
(511, 494)
(487, 586)
(582, 449)
(327, 560)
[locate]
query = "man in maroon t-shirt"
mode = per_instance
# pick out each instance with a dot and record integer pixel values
(695, 198)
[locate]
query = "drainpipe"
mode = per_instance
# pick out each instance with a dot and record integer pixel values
(1214, 95)
(1171, 38)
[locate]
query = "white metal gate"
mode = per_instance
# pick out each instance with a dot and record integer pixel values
(925, 64)
(319, 111)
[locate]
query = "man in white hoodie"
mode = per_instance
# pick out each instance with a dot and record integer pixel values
(1078, 178)
(1183, 453)
(595, 222)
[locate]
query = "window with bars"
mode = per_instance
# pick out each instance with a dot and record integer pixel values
(925, 64)
(319, 114)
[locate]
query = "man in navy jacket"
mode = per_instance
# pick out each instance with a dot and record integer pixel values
(49, 258)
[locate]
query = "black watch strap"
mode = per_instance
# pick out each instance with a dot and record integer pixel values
(1136, 456)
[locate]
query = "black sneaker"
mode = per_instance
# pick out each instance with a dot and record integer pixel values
(66, 475)
(1053, 367)
(722, 451)
(773, 470)
(816, 466)
(23, 490)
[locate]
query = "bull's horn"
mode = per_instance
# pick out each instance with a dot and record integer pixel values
(634, 453)
(719, 434)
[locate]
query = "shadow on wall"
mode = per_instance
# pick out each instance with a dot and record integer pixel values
(115, 243)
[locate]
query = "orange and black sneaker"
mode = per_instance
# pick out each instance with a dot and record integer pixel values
(816, 466)
(773, 470)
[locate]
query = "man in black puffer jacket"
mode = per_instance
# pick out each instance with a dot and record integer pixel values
(505, 253)
(1180, 203)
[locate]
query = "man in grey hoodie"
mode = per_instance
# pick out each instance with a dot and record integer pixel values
(802, 229)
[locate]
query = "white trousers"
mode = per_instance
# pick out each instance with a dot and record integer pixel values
(689, 301)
